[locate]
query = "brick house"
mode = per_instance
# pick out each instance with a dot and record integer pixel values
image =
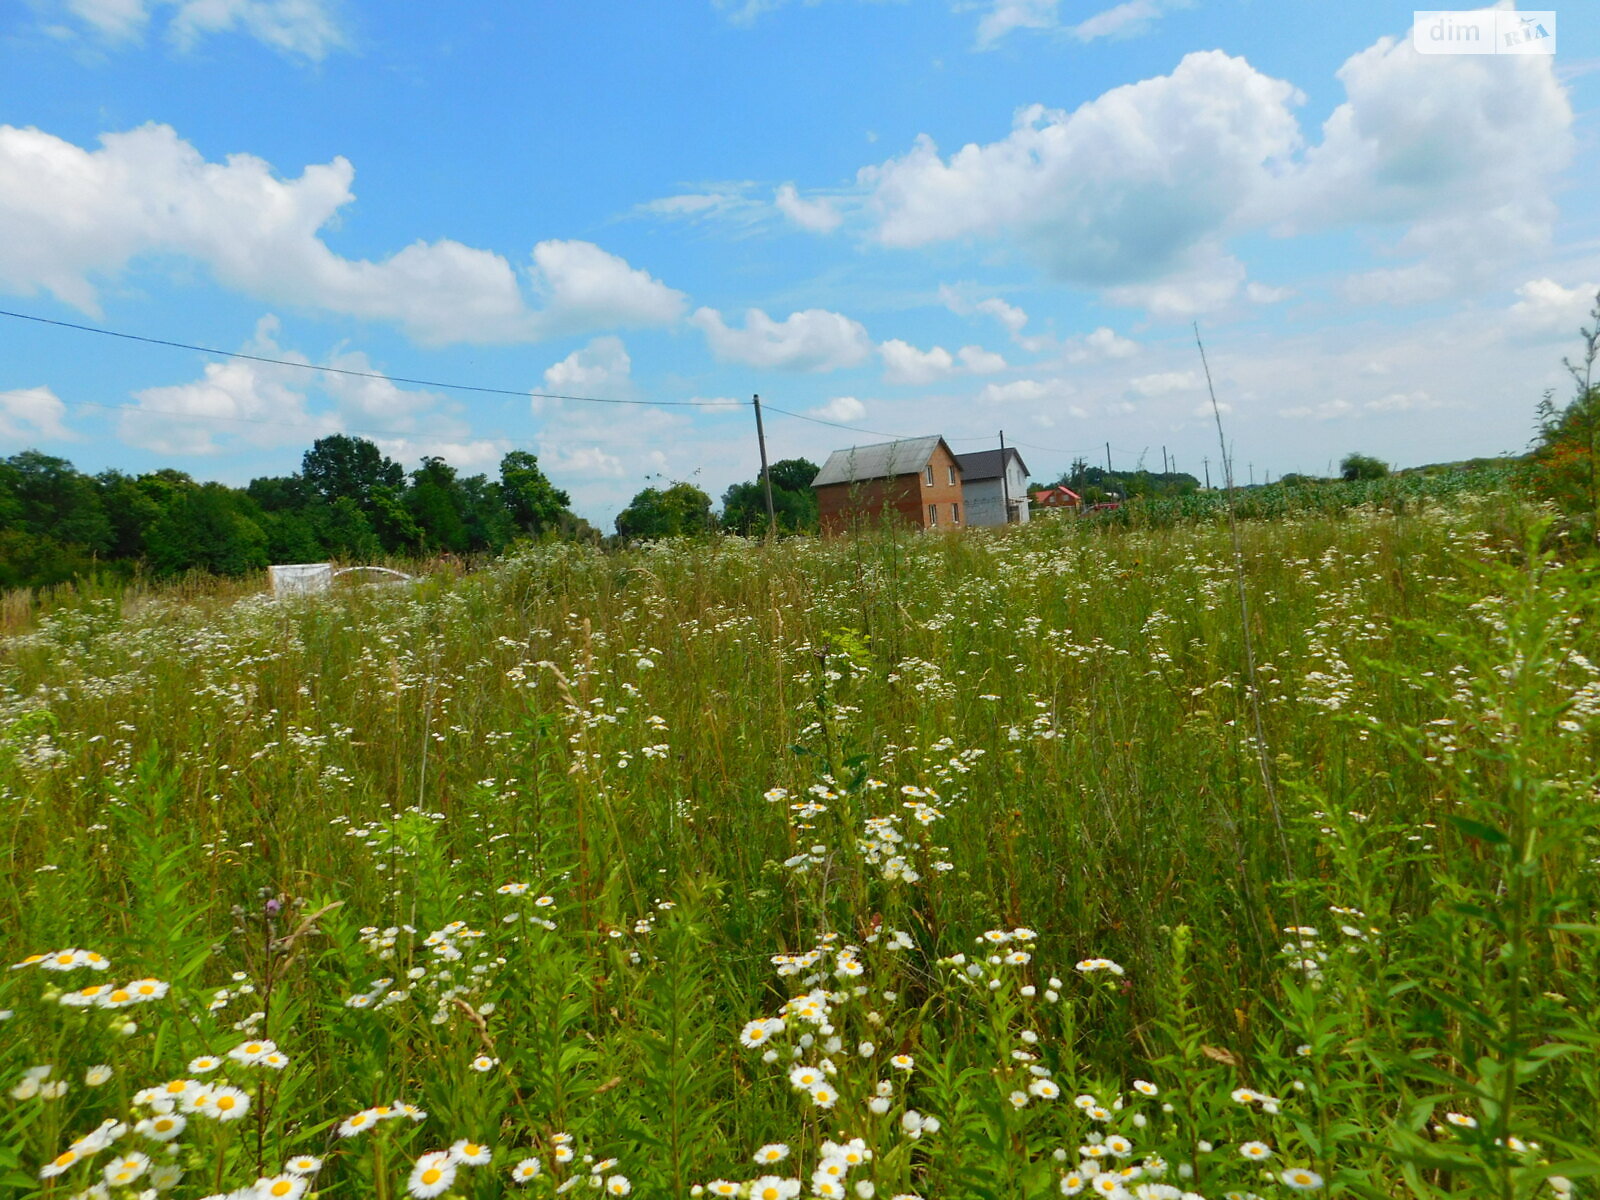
(916, 481)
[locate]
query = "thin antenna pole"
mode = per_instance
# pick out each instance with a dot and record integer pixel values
(1252, 688)
(766, 477)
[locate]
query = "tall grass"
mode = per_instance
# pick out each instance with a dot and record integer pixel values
(587, 855)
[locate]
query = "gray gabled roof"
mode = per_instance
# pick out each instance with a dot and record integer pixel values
(985, 464)
(882, 461)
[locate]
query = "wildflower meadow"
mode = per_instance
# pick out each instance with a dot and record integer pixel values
(1069, 859)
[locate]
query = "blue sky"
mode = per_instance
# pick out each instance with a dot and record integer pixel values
(931, 216)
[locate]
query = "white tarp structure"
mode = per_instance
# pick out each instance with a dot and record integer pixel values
(300, 579)
(308, 579)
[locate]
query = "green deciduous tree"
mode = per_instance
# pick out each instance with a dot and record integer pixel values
(1566, 449)
(534, 504)
(794, 503)
(342, 466)
(207, 527)
(676, 511)
(1362, 466)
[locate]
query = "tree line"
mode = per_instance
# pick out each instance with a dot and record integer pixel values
(348, 502)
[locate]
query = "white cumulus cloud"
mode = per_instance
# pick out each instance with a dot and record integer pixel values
(1161, 383)
(904, 363)
(601, 368)
(1127, 188)
(1460, 152)
(33, 414)
(815, 216)
(239, 402)
(74, 217)
(840, 408)
(812, 340)
(306, 29)
(1102, 344)
(1546, 309)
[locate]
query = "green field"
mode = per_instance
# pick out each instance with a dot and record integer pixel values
(951, 866)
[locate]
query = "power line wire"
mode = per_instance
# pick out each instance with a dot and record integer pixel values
(305, 366)
(434, 383)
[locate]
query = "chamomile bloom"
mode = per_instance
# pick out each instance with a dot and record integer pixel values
(162, 1127)
(484, 1063)
(359, 1123)
(250, 1053)
(526, 1171)
(1145, 1088)
(618, 1185)
(205, 1064)
(281, 1187)
(148, 989)
(433, 1174)
(805, 1078)
(277, 1060)
(902, 1062)
(473, 1154)
(1072, 1183)
(303, 1164)
(562, 1153)
(1300, 1179)
(120, 1172)
(1461, 1120)
(1256, 1151)
(759, 1032)
(722, 1187)
(1045, 1089)
(774, 1187)
(772, 1152)
(61, 1163)
(824, 1096)
(225, 1104)
(96, 1075)
(165, 1176)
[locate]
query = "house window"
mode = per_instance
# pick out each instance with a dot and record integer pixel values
(933, 511)
(930, 475)
(952, 471)
(955, 514)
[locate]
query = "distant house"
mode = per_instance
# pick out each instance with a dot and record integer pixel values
(1060, 496)
(996, 484)
(916, 480)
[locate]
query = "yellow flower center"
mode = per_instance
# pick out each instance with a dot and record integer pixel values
(66, 1158)
(224, 1103)
(120, 996)
(432, 1176)
(282, 1188)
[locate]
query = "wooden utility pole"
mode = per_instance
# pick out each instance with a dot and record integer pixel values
(1207, 463)
(1108, 459)
(766, 478)
(1005, 498)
